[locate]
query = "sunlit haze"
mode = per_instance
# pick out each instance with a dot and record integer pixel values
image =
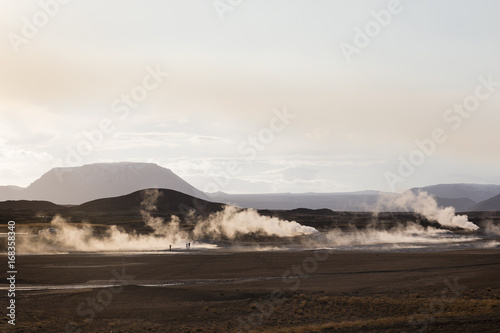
(270, 96)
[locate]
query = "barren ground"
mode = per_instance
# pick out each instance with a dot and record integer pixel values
(457, 291)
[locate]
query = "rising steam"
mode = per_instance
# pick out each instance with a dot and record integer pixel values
(68, 237)
(232, 222)
(491, 228)
(425, 204)
(408, 235)
(229, 223)
(170, 230)
(400, 236)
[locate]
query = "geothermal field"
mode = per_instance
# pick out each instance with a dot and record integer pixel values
(249, 166)
(127, 265)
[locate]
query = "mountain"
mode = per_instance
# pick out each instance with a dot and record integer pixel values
(123, 210)
(76, 185)
(474, 192)
(491, 204)
(460, 204)
(28, 205)
(361, 201)
(350, 201)
(169, 202)
(11, 192)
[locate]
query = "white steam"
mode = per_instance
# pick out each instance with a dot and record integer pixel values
(170, 230)
(229, 223)
(425, 205)
(400, 235)
(409, 235)
(232, 222)
(491, 228)
(75, 238)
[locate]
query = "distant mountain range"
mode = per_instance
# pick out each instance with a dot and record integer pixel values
(474, 192)
(78, 185)
(348, 201)
(351, 201)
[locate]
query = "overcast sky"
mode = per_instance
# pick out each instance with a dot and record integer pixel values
(279, 95)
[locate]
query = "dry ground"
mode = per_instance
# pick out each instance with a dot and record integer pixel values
(456, 291)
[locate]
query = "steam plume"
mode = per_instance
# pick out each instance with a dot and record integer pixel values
(170, 230)
(229, 223)
(425, 205)
(409, 235)
(233, 221)
(72, 238)
(491, 228)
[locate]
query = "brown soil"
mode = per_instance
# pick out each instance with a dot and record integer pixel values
(293, 291)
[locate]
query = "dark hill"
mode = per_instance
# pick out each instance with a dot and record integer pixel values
(124, 210)
(169, 202)
(30, 205)
(307, 211)
(460, 204)
(492, 204)
(26, 211)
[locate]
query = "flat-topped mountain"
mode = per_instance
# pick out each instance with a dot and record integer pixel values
(76, 185)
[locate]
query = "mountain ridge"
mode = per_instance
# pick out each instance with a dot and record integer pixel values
(78, 185)
(475, 192)
(491, 204)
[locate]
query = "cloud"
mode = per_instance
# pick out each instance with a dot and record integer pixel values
(318, 134)
(169, 122)
(225, 82)
(13, 153)
(131, 140)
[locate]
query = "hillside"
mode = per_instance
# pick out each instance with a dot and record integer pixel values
(460, 204)
(492, 204)
(352, 201)
(123, 210)
(169, 202)
(474, 192)
(77, 185)
(29, 205)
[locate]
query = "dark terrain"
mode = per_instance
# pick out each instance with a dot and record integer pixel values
(455, 291)
(228, 290)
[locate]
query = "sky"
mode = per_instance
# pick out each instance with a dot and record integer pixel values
(254, 96)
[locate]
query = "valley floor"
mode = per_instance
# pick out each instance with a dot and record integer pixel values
(272, 291)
